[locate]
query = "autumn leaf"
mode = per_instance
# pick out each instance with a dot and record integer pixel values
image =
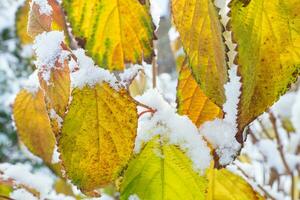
(192, 101)
(201, 34)
(57, 92)
(33, 124)
(6, 187)
(98, 135)
(268, 37)
(114, 32)
(39, 22)
(162, 171)
(21, 24)
(223, 184)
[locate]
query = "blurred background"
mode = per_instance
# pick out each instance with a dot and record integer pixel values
(270, 160)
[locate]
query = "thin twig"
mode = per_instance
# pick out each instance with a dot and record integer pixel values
(265, 131)
(5, 197)
(280, 149)
(279, 144)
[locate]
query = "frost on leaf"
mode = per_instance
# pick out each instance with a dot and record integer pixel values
(110, 32)
(98, 133)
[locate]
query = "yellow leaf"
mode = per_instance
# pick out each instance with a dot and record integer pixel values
(191, 100)
(33, 124)
(201, 34)
(268, 37)
(162, 171)
(21, 24)
(98, 135)
(113, 31)
(223, 184)
(6, 187)
(61, 186)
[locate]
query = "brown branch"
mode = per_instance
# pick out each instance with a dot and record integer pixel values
(279, 144)
(5, 197)
(154, 68)
(280, 149)
(265, 131)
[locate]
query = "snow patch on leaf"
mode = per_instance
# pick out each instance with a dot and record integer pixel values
(45, 8)
(221, 132)
(133, 197)
(20, 194)
(55, 116)
(173, 128)
(48, 50)
(90, 74)
(129, 74)
(55, 155)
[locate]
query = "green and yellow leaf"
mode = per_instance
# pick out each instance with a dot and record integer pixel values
(162, 171)
(223, 184)
(98, 135)
(21, 24)
(114, 32)
(201, 34)
(192, 101)
(268, 37)
(33, 124)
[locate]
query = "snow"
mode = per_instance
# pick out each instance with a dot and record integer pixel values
(232, 93)
(222, 136)
(32, 85)
(41, 180)
(55, 116)
(295, 118)
(89, 74)
(173, 34)
(22, 173)
(21, 194)
(44, 7)
(221, 132)
(129, 74)
(55, 155)
(133, 197)
(175, 129)
(48, 50)
(155, 10)
(282, 107)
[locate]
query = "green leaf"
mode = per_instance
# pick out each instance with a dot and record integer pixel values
(201, 34)
(268, 37)
(114, 32)
(162, 171)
